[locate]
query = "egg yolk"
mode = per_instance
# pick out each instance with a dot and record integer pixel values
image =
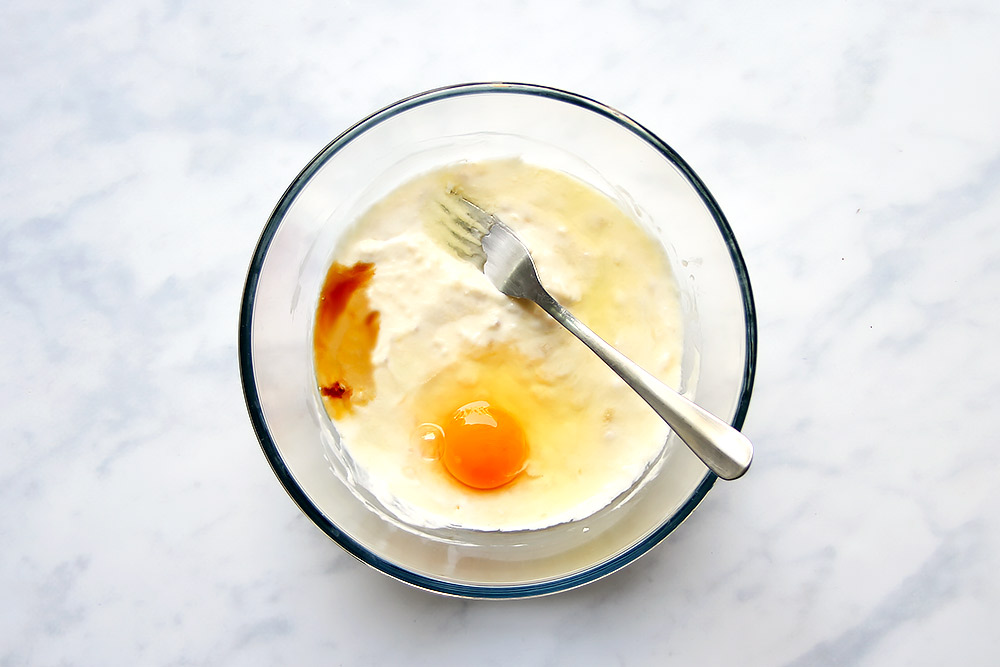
(483, 446)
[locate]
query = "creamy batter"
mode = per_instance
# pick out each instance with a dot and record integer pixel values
(441, 336)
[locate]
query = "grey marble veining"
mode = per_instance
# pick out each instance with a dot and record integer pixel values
(855, 149)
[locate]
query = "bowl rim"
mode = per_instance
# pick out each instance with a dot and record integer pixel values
(255, 408)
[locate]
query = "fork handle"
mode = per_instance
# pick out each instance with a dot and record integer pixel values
(725, 450)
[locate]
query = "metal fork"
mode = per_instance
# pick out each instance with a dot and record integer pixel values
(484, 239)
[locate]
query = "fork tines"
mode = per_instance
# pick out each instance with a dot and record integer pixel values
(466, 224)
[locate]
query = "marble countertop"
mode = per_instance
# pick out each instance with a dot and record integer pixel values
(855, 148)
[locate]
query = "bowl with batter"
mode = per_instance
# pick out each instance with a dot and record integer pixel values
(445, 434)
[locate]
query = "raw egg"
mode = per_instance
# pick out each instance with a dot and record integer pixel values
(483, 446)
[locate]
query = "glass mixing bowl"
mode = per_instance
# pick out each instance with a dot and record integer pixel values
(553, 129)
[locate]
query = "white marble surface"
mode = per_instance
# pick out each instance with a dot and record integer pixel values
(855, 147)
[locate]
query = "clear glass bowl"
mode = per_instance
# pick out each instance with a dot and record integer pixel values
(554, 129)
